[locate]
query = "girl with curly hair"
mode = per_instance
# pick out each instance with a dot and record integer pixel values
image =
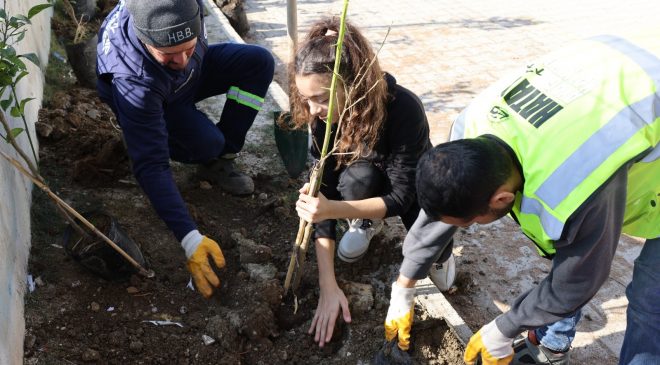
(380, 130)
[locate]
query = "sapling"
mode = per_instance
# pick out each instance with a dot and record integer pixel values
(353, 96)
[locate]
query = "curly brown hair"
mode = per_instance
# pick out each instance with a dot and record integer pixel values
(362, 79)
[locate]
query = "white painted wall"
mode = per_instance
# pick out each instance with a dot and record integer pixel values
(15, 192)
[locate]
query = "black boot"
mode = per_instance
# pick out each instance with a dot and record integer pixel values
(222, 172)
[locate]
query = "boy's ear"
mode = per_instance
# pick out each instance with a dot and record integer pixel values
(501, 199)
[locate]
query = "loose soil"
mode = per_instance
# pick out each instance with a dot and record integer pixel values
(76, 317)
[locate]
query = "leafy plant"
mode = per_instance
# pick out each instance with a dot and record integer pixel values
(12, 70)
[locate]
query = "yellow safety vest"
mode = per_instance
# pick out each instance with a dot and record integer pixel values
(573, 119)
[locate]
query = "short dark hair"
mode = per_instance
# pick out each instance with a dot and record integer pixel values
(458, 178)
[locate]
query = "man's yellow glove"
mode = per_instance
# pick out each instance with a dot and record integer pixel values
(493, 346)
(198, 249)
(400, 315)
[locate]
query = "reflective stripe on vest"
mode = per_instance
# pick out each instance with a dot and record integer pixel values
(610, 137)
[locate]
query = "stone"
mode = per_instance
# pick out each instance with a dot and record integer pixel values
(208, 340)
(136, 346)
(93, 113)
(132, 290)
(205, 185)
(43, 130)
(261, 272)
(90, 355)
(95, 307)
(222, 330)
(250, 252)
(360, 296)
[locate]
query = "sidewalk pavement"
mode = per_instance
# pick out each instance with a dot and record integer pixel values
(446, 52)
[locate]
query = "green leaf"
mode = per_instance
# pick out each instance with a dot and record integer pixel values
(19, 77)
(5, 80)
(13, 23)
(23, 19)
(37, 9)
(15, 112)
(15, 132)
(7, 52)
(22, 104)
(32, 57)
(18, 64)
(6, 103)
(20, 35)
(3, 14)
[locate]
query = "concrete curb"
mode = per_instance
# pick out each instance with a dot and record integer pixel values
(434, 303)
(275, 90)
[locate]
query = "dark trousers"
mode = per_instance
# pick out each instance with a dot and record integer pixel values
(193, 137)
(362, 180)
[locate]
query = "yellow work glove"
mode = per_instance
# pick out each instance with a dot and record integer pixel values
(400, 315)
(493, 346)
(198, 249)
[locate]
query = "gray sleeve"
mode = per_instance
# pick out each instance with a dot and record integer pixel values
(423, 245)
(581, 264)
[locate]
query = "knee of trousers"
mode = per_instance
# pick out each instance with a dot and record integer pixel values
(263, 65)
(361, 180)
(208, 147)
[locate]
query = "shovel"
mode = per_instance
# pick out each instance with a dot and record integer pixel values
(292, 144)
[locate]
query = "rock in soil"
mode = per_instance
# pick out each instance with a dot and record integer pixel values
(261, 272)
(90, 355)
(43, 130)
(250, 252)
(221, 329)
(360, 296)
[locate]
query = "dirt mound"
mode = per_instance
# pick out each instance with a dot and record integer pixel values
(82, 132)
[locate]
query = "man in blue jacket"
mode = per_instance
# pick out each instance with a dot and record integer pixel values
(154, 63)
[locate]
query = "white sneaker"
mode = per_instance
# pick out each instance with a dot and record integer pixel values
(443, 274)
(355, 242)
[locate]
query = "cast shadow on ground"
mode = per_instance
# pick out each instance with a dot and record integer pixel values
(450, 98)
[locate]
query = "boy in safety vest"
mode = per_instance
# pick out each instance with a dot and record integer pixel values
(570, 149)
